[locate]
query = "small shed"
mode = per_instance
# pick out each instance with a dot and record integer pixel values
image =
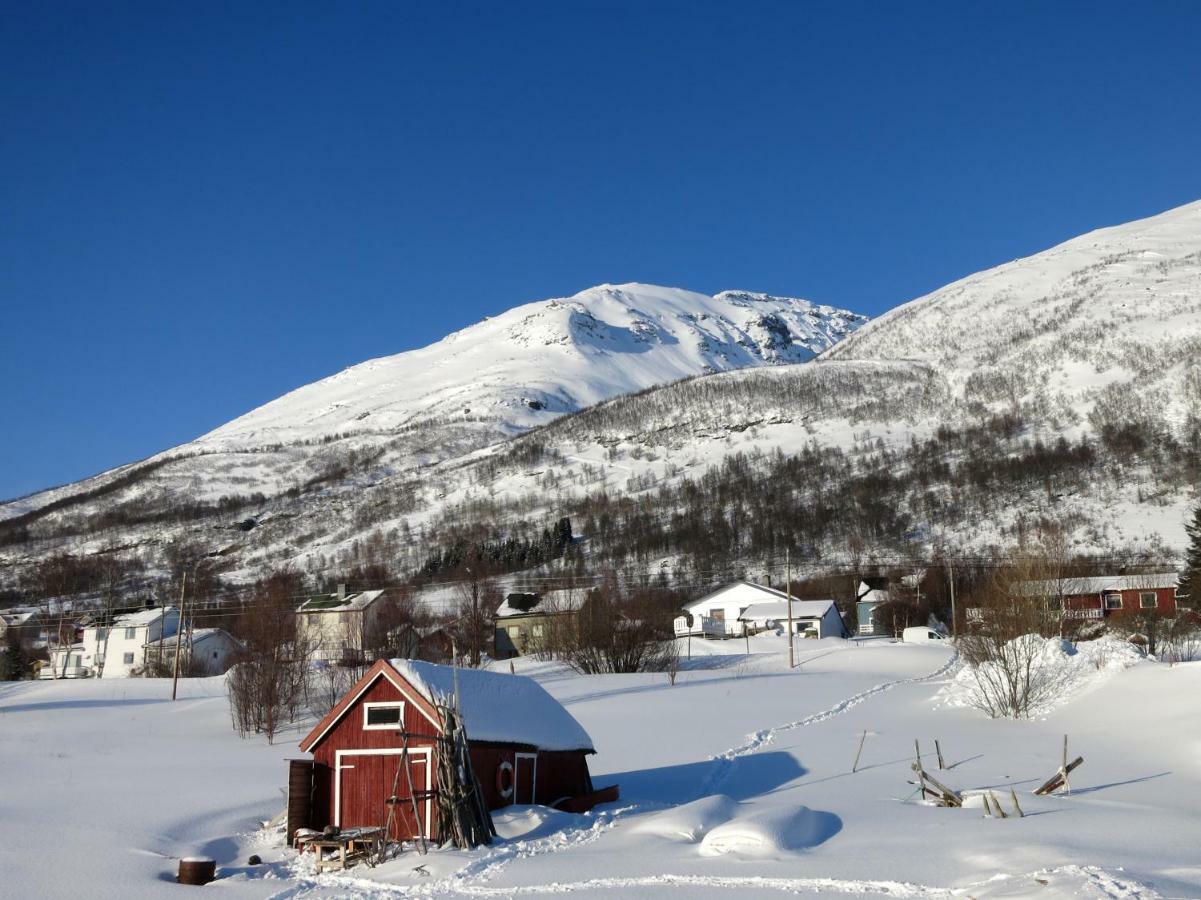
(525, 747)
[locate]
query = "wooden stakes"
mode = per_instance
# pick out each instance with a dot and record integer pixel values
(1060, 778)
(1016, 807)
(938, 753)
(859, 752)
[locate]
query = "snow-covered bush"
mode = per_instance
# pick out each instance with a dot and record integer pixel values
(1032, 675)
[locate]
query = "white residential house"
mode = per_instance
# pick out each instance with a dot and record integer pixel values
(114, 651)
(810, 618)
(338, 625)
(204, 651)
(719, 614)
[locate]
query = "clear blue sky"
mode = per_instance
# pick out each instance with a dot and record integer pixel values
(203, 205)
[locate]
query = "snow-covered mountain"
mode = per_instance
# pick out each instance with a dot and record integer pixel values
(386, 418)
(540, 360)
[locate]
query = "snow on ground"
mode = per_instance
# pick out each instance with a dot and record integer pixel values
(736, 780)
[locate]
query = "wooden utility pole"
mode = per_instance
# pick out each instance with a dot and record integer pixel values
(788, 575)
(951, 583)
(183, 588)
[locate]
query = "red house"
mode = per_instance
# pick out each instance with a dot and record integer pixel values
(525, 747)
(1111, 595)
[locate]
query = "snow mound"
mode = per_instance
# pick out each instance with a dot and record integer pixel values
(1060, 671)
(691, 821)
(770, 832)
(529, 822)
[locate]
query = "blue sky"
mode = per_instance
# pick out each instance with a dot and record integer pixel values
(204, 205)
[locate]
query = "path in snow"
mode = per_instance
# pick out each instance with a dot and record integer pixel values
(760, 739)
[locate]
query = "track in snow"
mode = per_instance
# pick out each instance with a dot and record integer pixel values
(760, 739)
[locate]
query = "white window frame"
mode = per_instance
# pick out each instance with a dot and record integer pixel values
(1111, 600)
(385, 704)
(131, 632)
(127, 659)
(1142, 600)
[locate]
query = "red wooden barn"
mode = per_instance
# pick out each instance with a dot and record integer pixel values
(525, 747)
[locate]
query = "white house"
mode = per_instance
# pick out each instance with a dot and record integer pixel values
(718, 614)
(205, 651)
(114, 651)
(810, 618)
(338, 625)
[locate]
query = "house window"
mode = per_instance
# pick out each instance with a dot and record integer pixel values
(128, 659)
(537, 630)
(1113, 601)
(514, 632)
(131, 633)
(1148, 600)
(101, 633)
(383, 716)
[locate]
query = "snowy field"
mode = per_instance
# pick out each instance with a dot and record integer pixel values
(736, 780)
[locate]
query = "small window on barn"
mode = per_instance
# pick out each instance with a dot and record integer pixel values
(1113, 601)
(383, 716)
(1147, 600)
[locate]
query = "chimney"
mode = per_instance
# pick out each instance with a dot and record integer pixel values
(341, 592)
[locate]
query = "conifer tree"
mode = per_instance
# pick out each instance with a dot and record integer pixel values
(1190, 575)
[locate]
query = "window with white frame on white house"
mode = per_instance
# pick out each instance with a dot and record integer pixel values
(1147, 600)
(128, 659)
(131, 633)
(383, 715)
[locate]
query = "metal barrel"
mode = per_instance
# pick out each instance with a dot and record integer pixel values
(196, 870)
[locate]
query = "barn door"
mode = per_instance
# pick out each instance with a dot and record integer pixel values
(365, 783)
(525, 775)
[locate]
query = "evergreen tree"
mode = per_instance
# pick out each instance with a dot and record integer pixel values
(1190, 575)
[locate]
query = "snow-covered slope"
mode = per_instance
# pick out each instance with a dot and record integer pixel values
(540, 360)
(1107, 324)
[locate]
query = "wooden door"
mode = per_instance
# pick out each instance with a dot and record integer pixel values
(525, 775)
(365, 782)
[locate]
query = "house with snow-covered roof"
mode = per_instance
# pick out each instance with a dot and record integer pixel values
(114, 650)
(385, 735)
(810, 618)
(524, 621)
(203, 651)
(720, 613)
(339, 626)
(871, 593)
(1103, 596)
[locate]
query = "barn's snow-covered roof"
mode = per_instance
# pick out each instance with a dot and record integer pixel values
(498, 707)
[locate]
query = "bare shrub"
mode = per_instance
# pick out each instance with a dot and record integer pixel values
(1017, 609)
(268, 685)
(616, 633)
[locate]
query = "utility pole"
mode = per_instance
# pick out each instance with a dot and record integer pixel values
(951, 582)
(183, 587)
(788, 576)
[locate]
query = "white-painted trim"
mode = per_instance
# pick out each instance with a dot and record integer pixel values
(403, 688)
(384, 704)
(517, 758)
(427, 752)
